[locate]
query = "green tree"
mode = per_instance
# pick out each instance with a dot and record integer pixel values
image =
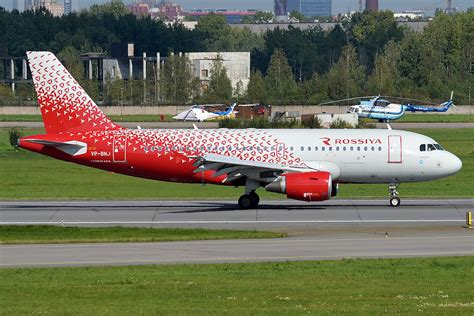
(220, 87)
(280, 84)
(216, 31)
(256, 91)
(370, 31)
(347, 77)
(298, 16)
(264, 17)
(177, 79)
(116, 8)
(385, 76)
(315, 90)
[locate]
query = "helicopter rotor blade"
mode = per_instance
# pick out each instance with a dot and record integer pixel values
(348, 99)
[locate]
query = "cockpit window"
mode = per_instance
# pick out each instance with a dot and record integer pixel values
(422, 147)
(431, 147)
(382, 103)
(438, 146)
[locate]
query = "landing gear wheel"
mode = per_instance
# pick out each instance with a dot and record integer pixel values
(247, 201)
(394, 202)
(255, 197)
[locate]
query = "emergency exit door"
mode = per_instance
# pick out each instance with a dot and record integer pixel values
(395, 149)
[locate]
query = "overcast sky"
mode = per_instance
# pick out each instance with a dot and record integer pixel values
(339, 6)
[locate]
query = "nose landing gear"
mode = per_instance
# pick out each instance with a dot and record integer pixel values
(394, 199)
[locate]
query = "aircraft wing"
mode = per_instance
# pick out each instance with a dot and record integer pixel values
(236, 168)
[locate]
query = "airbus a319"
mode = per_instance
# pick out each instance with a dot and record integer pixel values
(304, 165)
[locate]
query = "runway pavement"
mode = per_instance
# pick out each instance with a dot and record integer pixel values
(222, 214)
(329, 230)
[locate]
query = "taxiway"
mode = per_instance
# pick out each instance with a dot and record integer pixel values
(329, 230)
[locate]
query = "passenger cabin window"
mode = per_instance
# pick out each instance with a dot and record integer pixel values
(422, 147)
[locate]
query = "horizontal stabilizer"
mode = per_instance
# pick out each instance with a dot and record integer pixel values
(73, 148)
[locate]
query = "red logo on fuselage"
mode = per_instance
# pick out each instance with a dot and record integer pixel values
(352, 141)
(326, 141)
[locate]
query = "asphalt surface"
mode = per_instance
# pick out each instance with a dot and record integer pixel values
(204, 125)
(329, 230)
(234, 251)
(223, 214)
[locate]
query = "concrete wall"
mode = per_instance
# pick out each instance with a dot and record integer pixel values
(174, 109)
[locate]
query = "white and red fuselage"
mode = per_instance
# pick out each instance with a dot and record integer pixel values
(304, 164)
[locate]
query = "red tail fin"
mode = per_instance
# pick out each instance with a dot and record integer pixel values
(64, 104)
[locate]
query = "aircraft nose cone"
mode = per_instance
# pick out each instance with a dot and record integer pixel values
(454, 165)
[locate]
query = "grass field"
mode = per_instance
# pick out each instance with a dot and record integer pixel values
(440, 118)
(115, 118)
(436, 286)
(409, 118)
(59, 234)
(27, 175)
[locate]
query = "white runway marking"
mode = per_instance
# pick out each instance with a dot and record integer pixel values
(237, 222)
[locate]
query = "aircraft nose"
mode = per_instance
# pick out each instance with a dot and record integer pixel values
(453, 165)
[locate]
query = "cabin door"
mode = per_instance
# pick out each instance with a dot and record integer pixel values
(120, 148)
(394, 149)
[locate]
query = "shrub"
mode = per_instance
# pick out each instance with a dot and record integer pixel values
(340, 124)
(14, 134)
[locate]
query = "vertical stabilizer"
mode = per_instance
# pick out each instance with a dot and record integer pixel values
(63, 102)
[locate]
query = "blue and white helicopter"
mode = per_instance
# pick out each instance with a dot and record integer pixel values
(378, 108)
(197, 113)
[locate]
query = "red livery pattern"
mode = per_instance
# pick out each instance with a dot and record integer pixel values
(70, 115)
(63, 102)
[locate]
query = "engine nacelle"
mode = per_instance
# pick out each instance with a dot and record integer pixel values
(305, 186)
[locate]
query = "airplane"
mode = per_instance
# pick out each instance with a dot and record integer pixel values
(306, 165)
(198, 114)
(382, 110)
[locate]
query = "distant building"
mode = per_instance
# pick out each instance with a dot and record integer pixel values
(67, 6)
(231, 16)
(311, 8)
(28, 4)
(372, 5)
(167, 11)
(237, 65)
(163, 10)
(139, 9)
(409, 16)
(124, 66)
(50, 5)
(280, 7)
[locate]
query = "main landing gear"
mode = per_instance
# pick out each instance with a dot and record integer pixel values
(250, 199)
(247, 201)
(394, 199)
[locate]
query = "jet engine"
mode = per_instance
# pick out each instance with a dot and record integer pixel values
(304, 186)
